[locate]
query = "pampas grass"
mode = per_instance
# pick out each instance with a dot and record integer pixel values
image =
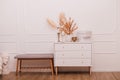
(52, 23)
(65, 25)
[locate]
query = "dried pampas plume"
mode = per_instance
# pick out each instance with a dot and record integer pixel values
(62, 19)
(53, 25)
(66, 26)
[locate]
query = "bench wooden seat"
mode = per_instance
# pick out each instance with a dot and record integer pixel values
(22, 57)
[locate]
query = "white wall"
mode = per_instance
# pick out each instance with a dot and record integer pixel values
(23, 27)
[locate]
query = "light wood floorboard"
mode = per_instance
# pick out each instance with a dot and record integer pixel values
(105, 76)
(63, 76)
(117, 75)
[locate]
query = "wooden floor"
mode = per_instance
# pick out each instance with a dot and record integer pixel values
(63, 76)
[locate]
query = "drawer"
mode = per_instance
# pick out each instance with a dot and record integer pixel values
(72, 62)
(69, 55)
(86, 62)
(73, 55)
(67, 62)
(59, 47)
(86, 54)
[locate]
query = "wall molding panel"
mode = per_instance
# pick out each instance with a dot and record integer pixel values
(45, 47)
(104, 37)
(104, 47)
(41, 38)
(8, 48)
(104, 43)
(7, 39)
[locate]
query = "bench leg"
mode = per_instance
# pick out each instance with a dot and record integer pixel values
(20, 66)
(90, 70)
(17, 67)
(52, 66)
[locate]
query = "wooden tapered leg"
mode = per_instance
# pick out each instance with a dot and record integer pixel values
(90, 70)
(52, 66)
(56, 70)
(20, 66)
(17, 67)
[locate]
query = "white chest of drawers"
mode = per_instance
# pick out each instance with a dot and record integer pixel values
(72, 54)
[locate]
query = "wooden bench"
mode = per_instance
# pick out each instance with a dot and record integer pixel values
(22, 57)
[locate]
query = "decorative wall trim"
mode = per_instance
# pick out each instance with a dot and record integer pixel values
(39, 47)
(104, 47)
(8, 38)
(104, 43)
(40, 38)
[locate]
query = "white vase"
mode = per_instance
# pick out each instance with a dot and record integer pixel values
(68, 38)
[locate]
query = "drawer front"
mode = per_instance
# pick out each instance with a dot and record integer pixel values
(69, 55)
(73, 62)
(86, 54)
(73, 55)
(86, 62)
(59, 47)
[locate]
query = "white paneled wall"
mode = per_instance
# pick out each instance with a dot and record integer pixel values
(104, 43)
(105, 56)
(23, 28)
